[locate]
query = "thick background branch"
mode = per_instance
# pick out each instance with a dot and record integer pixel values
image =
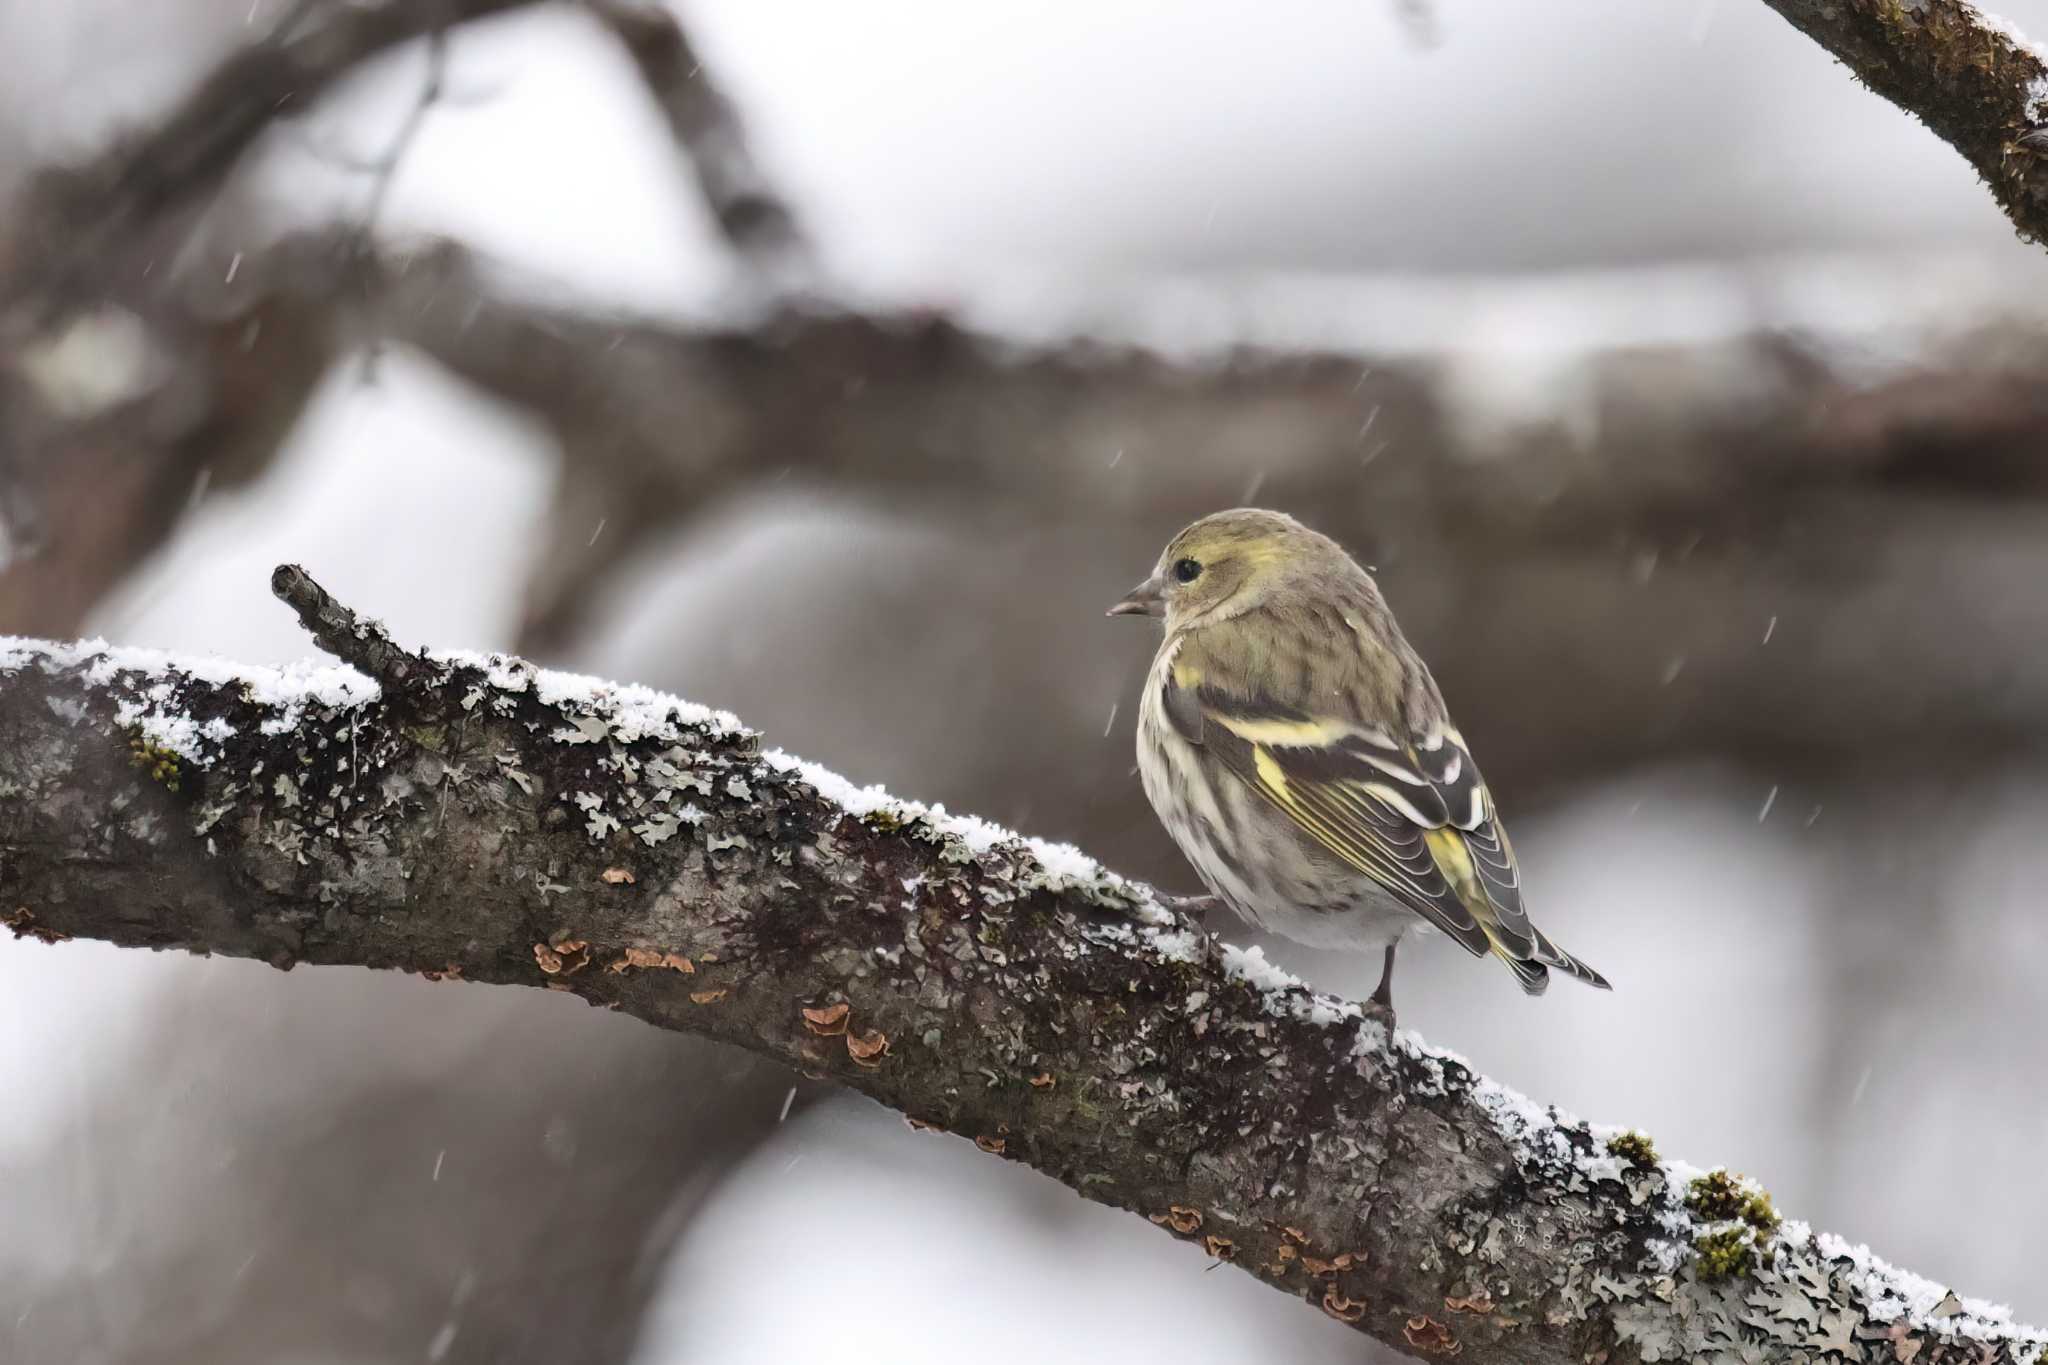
(1643, 547)
(643, 854)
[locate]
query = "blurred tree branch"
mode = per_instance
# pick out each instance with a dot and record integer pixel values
(1643, 552)
(471, 818)
(79, 226)
(133, 370)
(141, 360)
(1976, 83)
(747, 207)
(1643, 549)
(1644, 535)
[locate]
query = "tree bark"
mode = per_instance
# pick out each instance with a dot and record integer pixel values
(1979, 85)
(473, 817)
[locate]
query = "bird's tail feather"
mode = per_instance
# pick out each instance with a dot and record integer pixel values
(1532, 974)
(1550, 955)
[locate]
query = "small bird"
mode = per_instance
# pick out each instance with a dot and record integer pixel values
(1299, 753)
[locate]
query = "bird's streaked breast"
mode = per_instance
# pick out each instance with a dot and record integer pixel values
(1246, 852)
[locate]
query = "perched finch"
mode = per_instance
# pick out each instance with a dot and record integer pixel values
(1299, 753)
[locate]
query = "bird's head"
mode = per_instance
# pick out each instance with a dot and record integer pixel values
(1229, 563)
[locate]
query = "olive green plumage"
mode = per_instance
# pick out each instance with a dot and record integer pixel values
(1299, 752)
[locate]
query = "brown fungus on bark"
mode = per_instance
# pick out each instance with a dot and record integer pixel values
(827, 1021)
(868, 1047)
(1342, 1307)
(1431, 1337)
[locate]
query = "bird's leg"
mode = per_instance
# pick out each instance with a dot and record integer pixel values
(1382, 1002)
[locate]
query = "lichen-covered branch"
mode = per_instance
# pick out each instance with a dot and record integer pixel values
(1974, 80)
(468, 816)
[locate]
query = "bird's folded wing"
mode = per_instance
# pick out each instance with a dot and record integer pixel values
(1408, 811)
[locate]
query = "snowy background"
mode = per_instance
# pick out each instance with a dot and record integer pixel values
(1830, 984)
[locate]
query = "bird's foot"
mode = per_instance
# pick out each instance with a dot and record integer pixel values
(1381, 1004)
(1192, 906)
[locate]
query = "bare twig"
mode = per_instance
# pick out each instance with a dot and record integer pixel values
(384, 169)
(363, 644)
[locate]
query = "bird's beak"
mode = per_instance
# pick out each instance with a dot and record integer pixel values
(1147, 599)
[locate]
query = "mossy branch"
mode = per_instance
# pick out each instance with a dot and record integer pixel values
(1977, 84)
(475, 819)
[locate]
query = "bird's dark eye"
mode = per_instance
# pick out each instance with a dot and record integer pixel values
(1186, 570)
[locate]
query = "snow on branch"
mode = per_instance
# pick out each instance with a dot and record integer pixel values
(1971, 77)
(472, 817)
